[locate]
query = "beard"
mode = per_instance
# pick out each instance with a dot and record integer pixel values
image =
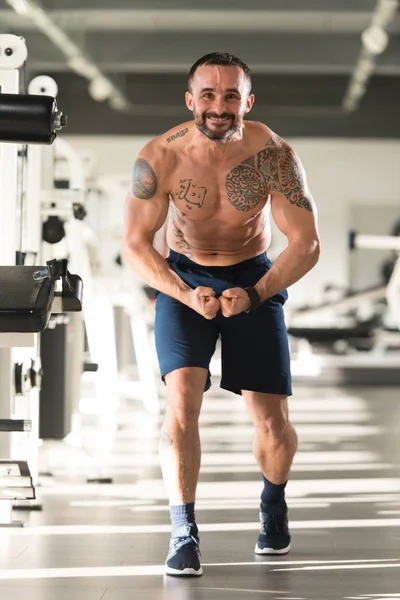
(219, 132)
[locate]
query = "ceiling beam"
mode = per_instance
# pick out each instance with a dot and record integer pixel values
(299, 21)
(152, 52)
(286, 5)
(54, 66)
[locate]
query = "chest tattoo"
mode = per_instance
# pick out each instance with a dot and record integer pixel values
(191, 193)
(275, 168)
(245, 186)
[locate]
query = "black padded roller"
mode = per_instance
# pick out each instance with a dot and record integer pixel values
(29, 118)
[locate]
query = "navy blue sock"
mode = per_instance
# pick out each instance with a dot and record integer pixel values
(273, 494)
(181, 515)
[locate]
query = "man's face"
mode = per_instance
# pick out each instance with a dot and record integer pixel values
(219, 99)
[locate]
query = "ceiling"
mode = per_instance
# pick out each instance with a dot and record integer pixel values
(302, 53)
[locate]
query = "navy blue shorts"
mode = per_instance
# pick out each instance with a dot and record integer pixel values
(255, 351)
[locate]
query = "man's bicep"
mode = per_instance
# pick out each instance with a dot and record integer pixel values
(147, 204)
(293, 222)
(143, 220)
(144, 180)
(293, 180)
(293, 206)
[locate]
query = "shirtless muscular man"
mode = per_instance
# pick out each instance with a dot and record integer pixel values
(218, 177)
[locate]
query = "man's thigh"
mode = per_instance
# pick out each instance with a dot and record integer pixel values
(183, 337)
(255, 352)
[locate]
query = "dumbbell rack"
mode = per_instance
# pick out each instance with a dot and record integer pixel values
(15, 477)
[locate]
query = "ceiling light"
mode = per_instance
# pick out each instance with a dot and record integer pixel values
(375, 39)
(100, 89)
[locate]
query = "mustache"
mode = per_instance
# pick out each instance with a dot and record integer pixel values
(215, 116)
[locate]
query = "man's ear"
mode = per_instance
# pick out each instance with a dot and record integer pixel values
(250, 102)
(189, 101)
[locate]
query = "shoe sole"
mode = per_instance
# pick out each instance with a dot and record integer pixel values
(185, 572)
(258, 550)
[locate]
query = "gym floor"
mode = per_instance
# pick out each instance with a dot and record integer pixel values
(109, 542)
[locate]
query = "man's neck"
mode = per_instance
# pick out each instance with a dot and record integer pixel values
(220, 149)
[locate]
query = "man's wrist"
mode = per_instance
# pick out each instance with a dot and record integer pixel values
(254, 297)
(184, 294)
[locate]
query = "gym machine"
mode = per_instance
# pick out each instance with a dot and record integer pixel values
(30, 292)
(384, 242)
(371, 348)
(58, 197)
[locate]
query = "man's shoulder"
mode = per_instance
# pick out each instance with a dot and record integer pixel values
(169, 142)
(263, 134)
(177, 133)
(173, 138)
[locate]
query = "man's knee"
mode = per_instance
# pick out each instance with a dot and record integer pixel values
(273, 426)
(185, 389)
(269, 412)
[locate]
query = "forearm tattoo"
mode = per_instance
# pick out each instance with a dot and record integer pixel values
(277, 168)
(144, 180)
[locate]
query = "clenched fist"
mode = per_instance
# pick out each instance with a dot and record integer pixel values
(203, 301)
(234, 301)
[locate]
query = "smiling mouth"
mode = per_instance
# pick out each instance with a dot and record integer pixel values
(219, 120)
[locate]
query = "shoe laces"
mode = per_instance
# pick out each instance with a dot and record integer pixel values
(268, 521)
(178, 542)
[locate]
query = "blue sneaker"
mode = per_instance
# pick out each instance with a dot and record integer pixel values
(274, 537)
(184, 553)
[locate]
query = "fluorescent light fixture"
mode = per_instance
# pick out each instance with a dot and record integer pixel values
(100, 87)
(359, 89)
(83, 67)
(20, 7)
(385, 12)
(375, 40)
(365, 69)
(118, 103)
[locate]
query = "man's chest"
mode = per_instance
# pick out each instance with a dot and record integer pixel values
(231, 188)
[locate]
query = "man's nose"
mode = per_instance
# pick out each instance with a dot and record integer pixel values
(219, 105)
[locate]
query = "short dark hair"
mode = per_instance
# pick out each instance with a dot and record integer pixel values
(220, 58)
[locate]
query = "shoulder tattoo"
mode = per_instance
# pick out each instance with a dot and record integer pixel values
(293, 180)
(275, 168)
(177, 135)
(144, 180)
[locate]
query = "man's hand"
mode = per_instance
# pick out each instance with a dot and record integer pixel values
(203, 301)
(234, 301)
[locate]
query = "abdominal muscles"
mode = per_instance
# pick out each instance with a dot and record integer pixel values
(217, 240)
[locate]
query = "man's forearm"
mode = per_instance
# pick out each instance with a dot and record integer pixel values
(290, 266)
(155, 271)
